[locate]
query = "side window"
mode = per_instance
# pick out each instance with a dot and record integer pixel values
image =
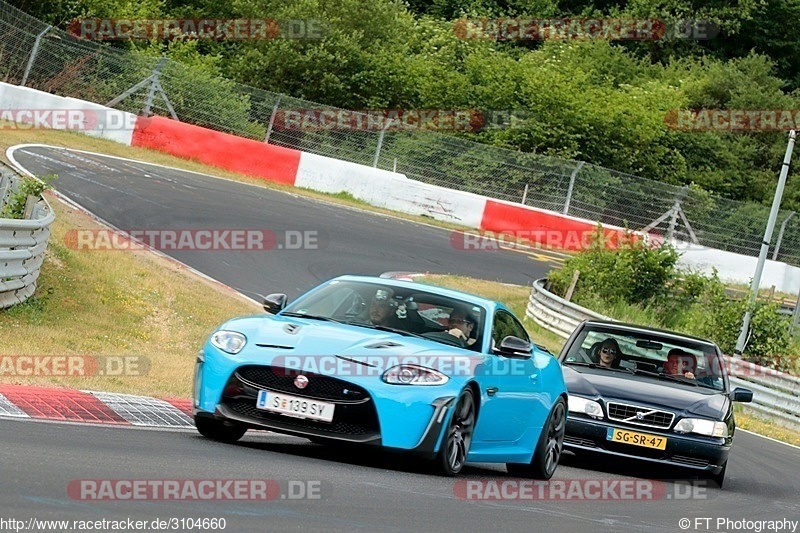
(504, 325)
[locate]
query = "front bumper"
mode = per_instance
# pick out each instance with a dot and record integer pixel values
(707, 454)
(396, 417)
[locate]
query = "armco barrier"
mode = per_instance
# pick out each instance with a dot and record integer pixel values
(555, 313)
(776, 395)
(22, 247)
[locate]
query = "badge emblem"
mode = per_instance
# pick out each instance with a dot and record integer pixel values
(301, 381)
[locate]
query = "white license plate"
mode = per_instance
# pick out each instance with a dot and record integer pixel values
(295, 406)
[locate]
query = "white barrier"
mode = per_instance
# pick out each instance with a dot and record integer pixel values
(390, 190)
(738, 268)
(30, 108)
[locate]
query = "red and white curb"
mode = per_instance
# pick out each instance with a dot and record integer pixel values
(68, 405)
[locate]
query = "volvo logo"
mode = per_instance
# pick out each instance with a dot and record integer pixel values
(639, 415)
(301, 382)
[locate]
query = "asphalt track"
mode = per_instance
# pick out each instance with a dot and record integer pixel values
(132, 195)
(362, 492)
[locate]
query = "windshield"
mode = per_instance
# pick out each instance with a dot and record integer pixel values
(406, 310)
(677, 360)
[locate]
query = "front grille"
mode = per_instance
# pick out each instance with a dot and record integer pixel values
(352, 421)
(319, 387)
(639, 415)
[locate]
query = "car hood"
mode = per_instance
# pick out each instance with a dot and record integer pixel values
(294, 338)
(646, 390)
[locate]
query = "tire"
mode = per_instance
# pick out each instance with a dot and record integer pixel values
(455, 447)
(719, 478)
(218, 430)
(548, 450)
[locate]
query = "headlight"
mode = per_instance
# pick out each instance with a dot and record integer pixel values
(578, 404)
(702, 427)
(414, 375)
(228, 341)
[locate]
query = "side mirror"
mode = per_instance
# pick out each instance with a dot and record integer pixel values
(273, 303)
(740, 394)
(514, 346)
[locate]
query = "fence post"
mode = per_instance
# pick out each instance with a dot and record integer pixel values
(151, 94)
(676, 209)
(525, 194)
(155, 85)
(272, 119)
(35, 51)
(572, 185)
(380, 142)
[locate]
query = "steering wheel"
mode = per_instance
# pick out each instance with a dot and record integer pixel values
(446, 338)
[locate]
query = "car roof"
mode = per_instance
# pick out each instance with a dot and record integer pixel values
(638, 327)
(434, 289)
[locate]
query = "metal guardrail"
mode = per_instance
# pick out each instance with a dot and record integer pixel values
(555, 313)
(776, 395)
(22, 245)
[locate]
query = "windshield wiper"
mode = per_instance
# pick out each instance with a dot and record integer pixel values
(312, 317)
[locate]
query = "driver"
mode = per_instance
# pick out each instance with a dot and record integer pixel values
(679, 363)
(382, 307)
(461, 323)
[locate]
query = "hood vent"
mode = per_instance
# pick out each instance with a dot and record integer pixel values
(382, 345)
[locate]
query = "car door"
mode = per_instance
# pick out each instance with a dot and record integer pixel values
(511, 389)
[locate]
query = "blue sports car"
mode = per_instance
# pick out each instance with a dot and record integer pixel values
(398, 364)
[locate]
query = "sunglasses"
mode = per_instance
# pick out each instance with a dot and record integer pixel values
(611, 351)
(459, 321)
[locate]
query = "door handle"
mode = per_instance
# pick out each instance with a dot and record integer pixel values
(491, 391)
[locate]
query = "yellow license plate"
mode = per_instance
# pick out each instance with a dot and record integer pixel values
(637, 439)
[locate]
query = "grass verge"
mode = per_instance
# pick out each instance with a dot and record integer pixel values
(114, 303)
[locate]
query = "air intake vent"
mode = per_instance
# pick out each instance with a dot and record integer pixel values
(278, 346)
(382, 345)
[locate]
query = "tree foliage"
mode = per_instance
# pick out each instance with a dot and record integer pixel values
(598, 101)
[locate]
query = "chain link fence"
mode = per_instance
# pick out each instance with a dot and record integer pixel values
(45, 58)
